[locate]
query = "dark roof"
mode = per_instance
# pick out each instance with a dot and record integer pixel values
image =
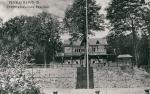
(92, 41)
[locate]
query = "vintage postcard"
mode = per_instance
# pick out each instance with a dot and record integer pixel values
(74, 46)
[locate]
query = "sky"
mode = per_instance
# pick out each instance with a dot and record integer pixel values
(55, 7)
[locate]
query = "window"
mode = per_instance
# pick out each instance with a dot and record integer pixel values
(68, 62)
(76, 62)
(93, 49)
(79, 50)
(76, 50)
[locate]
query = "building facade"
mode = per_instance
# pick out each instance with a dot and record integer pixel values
(73, 52)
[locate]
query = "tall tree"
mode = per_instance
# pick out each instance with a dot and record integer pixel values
(144, 49)
(124, 17)
(12, 30)
(1, 22)
(49, 35)
(145, 14)
(40, 32)
(75, 19)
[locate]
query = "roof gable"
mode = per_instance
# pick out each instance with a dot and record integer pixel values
(98, 41)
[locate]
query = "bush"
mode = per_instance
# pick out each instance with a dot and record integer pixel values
(12, 77)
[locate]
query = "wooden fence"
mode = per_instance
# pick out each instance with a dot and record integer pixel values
(94, 65)
(52, 65)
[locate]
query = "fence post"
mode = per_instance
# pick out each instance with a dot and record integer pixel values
(55, 92)
(147, 91)
(97, 92)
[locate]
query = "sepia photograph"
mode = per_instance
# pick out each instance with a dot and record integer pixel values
(74, 46)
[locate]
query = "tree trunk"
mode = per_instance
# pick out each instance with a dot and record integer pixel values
(147, 19)
(54, 53)
(85, 55)
(44, 56)
(72, 53)
(134, 42)
(149, 49)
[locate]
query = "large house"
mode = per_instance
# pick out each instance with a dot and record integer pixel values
(74, 52)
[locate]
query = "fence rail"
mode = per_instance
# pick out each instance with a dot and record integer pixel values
(94, 65)
(52, 65)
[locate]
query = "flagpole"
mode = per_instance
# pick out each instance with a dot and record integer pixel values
(87, 61)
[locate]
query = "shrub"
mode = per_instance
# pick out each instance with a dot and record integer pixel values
(12, 77)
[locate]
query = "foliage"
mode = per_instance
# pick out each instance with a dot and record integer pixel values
(122, 13)
(12, 74)
(75, 18)
(119, 44)
(125, 18)
(143, 50)
(40, 32)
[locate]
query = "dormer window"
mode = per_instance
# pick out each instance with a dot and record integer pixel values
(97, 42)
